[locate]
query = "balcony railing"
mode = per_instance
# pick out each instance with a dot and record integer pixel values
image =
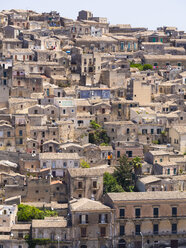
(159, 217)
(162, 233)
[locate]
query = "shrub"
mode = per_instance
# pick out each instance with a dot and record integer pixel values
(147, 67)
(84, 164)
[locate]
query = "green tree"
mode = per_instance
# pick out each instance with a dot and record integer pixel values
(147, 67)
(139, 66)
(84, 164)
(104, 144)
(94, 125)
(28, 213)
(123, 174)
(110, 184)
(98, 135)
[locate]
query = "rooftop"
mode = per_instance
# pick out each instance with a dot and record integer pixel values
(85, 204)
(151, 195)
(58, 156)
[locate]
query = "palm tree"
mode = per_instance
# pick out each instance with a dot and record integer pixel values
(136, 162)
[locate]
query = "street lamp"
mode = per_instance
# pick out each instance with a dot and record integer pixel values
(58, 241)
(141, 239)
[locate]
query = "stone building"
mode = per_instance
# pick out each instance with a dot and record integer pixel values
(59, 162)
(91, 223)
(148, 218)
(87, 183)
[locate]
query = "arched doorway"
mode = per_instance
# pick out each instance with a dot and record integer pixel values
(121, 243)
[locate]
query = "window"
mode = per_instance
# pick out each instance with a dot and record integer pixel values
(144, 131)
(128, 130)
(8, 134)
(138, 212)
(20, 235)
(155, 212)
(83, 232)
(122, 230)
(75, 164)
(113, 130)
(138, 229)
(37, 191)
(152, 131)
(119, 106)
(129, 154)
(118, 154)
(103, 218)
(80, 185)
(43, 134)
(34, 144)
(175, 171)
(54, 133)
(103, 231)
(121, 213)
(161, 160)
(53, 164)
(94, 184)
(155, 229)
(64, 164)
(168, 171)
(174, 211)
(44, 165)
(20, 132)
(20, 141)
(83, 219)
(174, 228)
(158, 131)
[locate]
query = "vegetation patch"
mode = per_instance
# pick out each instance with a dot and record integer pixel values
(27, 213)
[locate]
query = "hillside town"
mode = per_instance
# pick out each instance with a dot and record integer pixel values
(92, 133)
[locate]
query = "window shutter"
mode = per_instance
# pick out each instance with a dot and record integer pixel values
(106, 218)
(86, 218)
(99, 218)
(80, 218)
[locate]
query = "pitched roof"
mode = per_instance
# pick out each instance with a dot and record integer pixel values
(49, 223)
(50, 155)
(85, 172)
(149, 179)
(85, 204)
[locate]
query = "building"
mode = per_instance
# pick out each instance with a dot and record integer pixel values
(151, 218)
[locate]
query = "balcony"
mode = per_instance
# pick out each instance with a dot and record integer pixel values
(142, 218)
(103, 222)
(169, 234)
